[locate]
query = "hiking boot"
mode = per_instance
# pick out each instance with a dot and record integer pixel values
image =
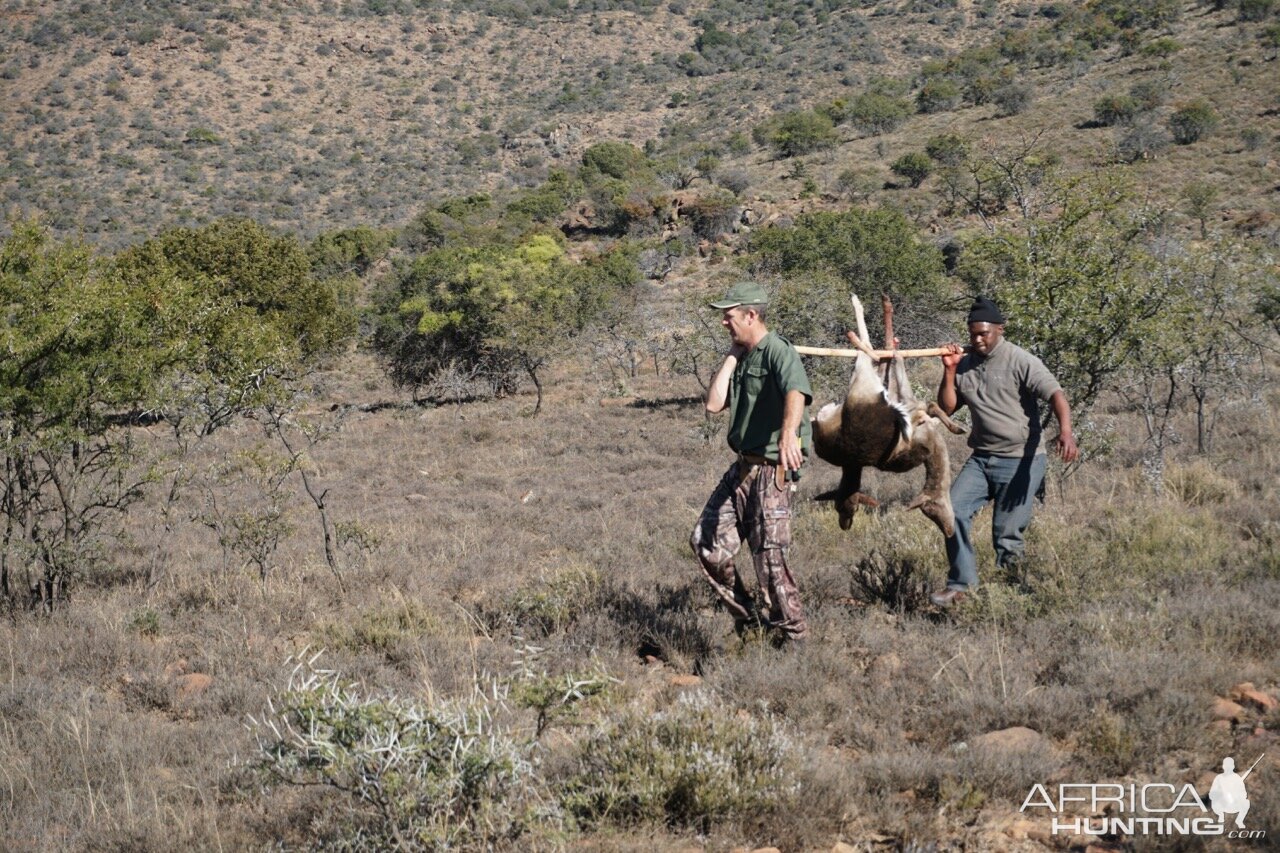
(948, 597)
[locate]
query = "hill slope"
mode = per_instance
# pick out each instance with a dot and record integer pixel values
(126, 118)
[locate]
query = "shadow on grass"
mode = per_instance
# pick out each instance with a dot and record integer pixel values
(663, 625)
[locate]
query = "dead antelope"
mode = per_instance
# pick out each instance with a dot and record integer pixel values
(882, 425)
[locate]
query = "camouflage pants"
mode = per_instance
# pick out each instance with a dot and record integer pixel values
(748, 504)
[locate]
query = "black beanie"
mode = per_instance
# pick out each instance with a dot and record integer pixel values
(985, 311)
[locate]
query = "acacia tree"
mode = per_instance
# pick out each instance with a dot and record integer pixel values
(1199, 351)
(261, 321)
(868, 252)
(81, 344)
(189, 329)
(494, 308)
(1075, 277)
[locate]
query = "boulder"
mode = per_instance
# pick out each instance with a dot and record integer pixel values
(193, 684)
(1012, 740)
(1245, 692)
(1225, 709)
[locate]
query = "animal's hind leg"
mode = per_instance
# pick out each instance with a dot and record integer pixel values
(935, 410)
(934, 499)
(849, 496)
(863, 340)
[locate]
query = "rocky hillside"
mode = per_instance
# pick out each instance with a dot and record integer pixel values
(125, 118)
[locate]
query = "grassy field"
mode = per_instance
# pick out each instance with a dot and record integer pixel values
(516, 555)
(514, 647)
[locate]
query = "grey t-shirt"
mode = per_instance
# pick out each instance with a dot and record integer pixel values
(1001, 392)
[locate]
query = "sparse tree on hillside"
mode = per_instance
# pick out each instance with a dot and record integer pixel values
(1114, 109)
(1201, 197)
(1198, 351)
(915, 166)
(798, 132)
(937, 95)
(1193, 121)
(194, 327)
(868, 252)
(948, 149)
(1255, 10)
(263, 321)
(348, 251)
(1013, 98)
(874, 113)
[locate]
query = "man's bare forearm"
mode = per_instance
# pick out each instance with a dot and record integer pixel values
(718, 393)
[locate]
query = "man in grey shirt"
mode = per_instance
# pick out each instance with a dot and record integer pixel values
(1002, 385)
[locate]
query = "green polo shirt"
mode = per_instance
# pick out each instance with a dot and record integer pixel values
(757, 393)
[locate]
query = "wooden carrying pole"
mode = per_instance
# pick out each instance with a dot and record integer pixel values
(880, 353)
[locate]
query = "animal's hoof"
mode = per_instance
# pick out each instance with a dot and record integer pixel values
(846, 521)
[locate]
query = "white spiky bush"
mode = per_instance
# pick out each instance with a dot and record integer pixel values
(421, 774)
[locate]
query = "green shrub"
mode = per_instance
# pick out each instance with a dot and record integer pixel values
(1143, 140)
(379, 629)
(1161, 48)
(874, 113)
(1255, 10)
(145, 622)
(1253, 138)
(1149, 94)
(872, 251)
(736, 181)
(546, 202)
(203, 136)
(1090, 257)
(799, 132)
(1114, 109)
(693, 766)
(562, 698)
(1013, 98)
(619, 160)
(938, 95)
(947, 149)
(714, 214)
(551, 604)
(86, 340)
(484, 312)
(1193, 121)
(256, 269)
(1137, 14)
(348, 250)
(915, 166)
(855, 184)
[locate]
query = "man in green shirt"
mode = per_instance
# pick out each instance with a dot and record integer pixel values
(763, 385)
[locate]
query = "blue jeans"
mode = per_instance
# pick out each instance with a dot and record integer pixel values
(1012, 483)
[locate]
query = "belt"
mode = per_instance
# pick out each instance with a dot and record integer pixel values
(755, 459)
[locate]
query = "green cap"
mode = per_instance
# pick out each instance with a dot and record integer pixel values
(743, 293)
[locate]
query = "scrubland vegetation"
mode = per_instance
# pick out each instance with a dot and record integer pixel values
(350, 401)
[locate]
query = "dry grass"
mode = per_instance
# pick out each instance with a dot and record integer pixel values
(558, 544)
